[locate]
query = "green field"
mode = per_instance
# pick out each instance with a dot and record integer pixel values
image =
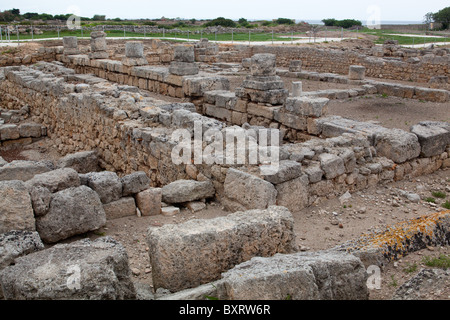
(196, 34)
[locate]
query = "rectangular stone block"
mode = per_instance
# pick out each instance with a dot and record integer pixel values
(123, 207)
(290, 120)
(261, 110)
(177, 252)
(149, 201)
(308, 107)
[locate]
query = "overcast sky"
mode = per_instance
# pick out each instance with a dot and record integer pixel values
(387, 10)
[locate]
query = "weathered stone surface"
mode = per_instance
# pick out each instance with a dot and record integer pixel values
(72, 211)
(357, 72)
(299, 276)
(263, 64)
(23, 170)
(82, 162)
(397, 145)
(331, 165)
(178, 252)
(183, 53)
(40, 199)
(187, 190)
(9, 132)
(434, 137)
(30, 130)
(3, 162)
(422, 285)
(15, 243)
(134, 183)
(170, 211)
(305, 106)
(124, 207)
(82, 270)
(16, 210)
(244, 191)
(107, 184)
(295, 66)
(293, 194)
(134, 49)
(183, 68)
(56, 180)
(149, 201)
(287, 170)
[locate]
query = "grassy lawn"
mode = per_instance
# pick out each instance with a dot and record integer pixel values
(195, 33)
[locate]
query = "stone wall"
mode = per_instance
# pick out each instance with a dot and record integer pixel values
(428, 63)
(131, 132)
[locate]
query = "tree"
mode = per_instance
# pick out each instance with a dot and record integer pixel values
(443, 17)
(15, 12)
(284, 21)
(428, 18)
(329, 22)
(243, 21)
(6, 16)
(221, 21)
(98, 17)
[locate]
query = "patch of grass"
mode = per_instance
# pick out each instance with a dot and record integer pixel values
(384, 95)
(430, 199)
(439, 194)
(393, 282)
(411, 268)
(446, 205)
(443, 262)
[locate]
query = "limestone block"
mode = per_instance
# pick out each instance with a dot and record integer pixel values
(16, 210)
(177, 252)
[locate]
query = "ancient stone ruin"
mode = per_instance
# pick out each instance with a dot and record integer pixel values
(120, 124)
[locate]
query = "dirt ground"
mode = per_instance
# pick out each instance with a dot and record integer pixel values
(390, 112)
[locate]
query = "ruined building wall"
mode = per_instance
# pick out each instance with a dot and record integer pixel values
(421, 69)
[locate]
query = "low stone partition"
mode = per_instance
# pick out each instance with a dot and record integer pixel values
(178, 252)
(425, 65)
(366, 87)
(153, 78)
(138, 137)
(24, 133)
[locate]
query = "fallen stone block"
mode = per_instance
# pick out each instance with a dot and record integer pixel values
(181, 191)
(106, 184)
(300, 276)
(170, 211)
(56, 180)
(16, 210)
(397, 145)
(243, 191)
(434, 137)
(134, 183)
(178, 252)
(82, 162)
(14, 244)
(149, 201)
(72, 211)
(293, 194)
(124, 207)
(82, 270)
